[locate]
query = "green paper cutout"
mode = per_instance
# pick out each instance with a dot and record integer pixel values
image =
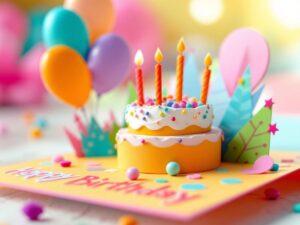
(114, 130)
(97, 142)
(252, 141)
(164, 91)
(131, 93)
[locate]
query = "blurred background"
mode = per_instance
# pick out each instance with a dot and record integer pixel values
(148, 24)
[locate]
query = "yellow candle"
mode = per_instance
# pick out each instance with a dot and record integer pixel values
(205, 78)
(179, 69)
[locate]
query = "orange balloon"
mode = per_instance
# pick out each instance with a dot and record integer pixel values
(66, 75)
(98, 15)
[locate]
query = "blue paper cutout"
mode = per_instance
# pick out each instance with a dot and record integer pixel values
(218, 95)
(256, 96)
(239, 111)
(191, 84)
(97, 142)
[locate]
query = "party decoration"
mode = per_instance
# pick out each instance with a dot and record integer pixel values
(205, 79)
(139, 60)
(179, 69)
(243, 47)
(256, 95)
(36, 20)
(108, 61)
(158, 76)
(75, 142)
(13, 20)
(218, 96)
(261, 165)
(253, 140)
(191, 84)
(239, 111)
(99, 16)
(65, 27)
(65, 75)
(97, 142)
(143, 33)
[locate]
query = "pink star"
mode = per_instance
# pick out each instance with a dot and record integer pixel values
(273, 129)
(269, 103)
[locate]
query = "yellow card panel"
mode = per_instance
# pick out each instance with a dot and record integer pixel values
(110, 187)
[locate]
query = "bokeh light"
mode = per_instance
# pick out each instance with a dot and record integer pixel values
(287, 12)
(206, 12)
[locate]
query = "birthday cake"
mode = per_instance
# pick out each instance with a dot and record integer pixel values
(169, 130)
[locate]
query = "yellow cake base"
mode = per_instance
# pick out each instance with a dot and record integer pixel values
(151, 159)
(168, 131)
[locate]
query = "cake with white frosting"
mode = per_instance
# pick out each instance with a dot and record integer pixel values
(170, 132)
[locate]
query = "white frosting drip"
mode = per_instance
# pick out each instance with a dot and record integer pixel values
(166, 141)
(158, 117)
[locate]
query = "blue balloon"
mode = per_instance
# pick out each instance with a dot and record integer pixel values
(65, 27)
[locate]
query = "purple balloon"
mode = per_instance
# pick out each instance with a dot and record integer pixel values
(109, 60)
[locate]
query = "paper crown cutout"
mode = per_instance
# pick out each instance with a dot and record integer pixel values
(94, 140)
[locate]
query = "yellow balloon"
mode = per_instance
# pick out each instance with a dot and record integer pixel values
(66, 75)
(98, 15)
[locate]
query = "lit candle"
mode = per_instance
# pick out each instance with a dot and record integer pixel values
(158, 58)
(139, 60)
(179, 69)
(206, 78)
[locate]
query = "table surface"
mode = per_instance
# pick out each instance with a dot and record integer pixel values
(16, 146)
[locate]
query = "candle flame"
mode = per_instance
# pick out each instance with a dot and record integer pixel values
(158, 56)
(139, 58)
(207, 60)
(181, 46)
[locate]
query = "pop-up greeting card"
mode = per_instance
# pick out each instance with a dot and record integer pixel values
(166, 158)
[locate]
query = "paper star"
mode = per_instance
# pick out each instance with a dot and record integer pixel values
(269, 103)
(273, 129)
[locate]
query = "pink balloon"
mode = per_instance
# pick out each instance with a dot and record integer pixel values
(29, 65)
(13, 20)
(10, 49)
(138, 26)
(262, 165)
(241, 48)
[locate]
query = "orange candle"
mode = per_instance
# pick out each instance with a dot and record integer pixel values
(139, 60)
(179, 69)
(205, 78)
(158, 58)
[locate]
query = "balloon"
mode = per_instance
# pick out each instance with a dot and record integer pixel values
(242, 48)
(30, 63)
(98, 15)
(13, 20)
(137, 24)
(65, 27)
(35, 20)
(108, 61)
(10, 48)
(66, 75)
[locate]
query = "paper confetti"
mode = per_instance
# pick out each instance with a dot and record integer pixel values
(97, 142)
(261, 165)
(239, 111)
(252, 141)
